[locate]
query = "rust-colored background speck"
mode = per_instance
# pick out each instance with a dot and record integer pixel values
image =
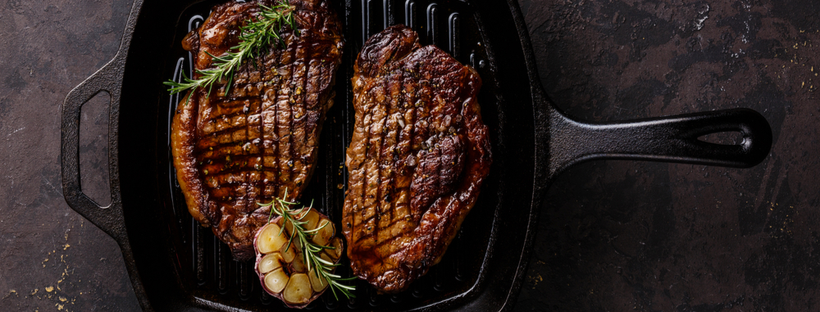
(613, 235)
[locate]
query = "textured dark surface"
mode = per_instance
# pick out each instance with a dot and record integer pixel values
(52, 258)
(623, 235)
(614, 236)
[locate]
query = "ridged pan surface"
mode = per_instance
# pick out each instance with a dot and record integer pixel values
(204, 265)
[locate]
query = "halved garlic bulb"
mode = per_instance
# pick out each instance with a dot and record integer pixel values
(280, 261)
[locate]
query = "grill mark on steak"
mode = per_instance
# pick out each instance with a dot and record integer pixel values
(418, 156)
(235, 150)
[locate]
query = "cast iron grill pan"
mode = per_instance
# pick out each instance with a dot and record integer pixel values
(175, 264)
(205, 263)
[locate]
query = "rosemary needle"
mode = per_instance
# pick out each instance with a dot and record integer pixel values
(254, 40)
(310, 250)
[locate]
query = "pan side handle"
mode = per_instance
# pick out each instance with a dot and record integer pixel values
(107, 79)
(110, 219)
(672, 139)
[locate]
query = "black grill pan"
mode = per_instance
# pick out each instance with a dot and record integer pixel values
(174, 264)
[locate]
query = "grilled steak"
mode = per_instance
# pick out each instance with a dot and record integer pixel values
(417, 159)
(232, 151)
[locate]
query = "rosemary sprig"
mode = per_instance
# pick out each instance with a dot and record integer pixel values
(310, 250)
(254, 40)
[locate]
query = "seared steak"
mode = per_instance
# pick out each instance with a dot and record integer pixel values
(418, 155)
(232, 151)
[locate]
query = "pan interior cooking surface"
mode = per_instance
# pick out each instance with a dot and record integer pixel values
(204, 264)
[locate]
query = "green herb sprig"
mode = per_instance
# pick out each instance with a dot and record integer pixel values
(255, 38)
(310, 250)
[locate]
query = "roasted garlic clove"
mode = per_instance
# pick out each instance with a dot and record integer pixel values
(276, 281)
(270, 262)
(288, 252)
(298, 264)
(270, 239)
(319, 284)
(310, 216)
(325, 234)
(312, 219)
(338, 248)
(298, 291)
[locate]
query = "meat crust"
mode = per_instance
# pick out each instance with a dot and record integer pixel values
(418, 156)
(232, 151)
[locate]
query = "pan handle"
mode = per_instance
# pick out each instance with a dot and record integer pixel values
(108, 79)
(673, 139)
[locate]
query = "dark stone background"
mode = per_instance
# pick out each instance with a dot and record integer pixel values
(644, 236)
(614, 235)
